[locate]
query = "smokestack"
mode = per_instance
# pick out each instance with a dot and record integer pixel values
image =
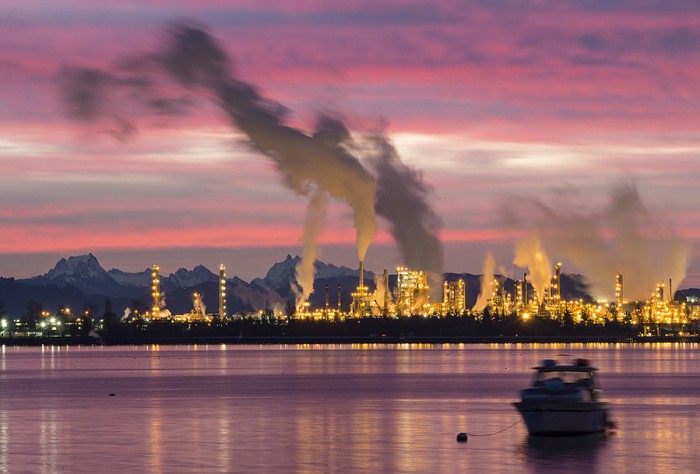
(339, 301)
(525, 289)
(222, 291)
(619, 289)
(670, 290)
(386, 292)
(362, 276)
(155, 287)
(326, 300)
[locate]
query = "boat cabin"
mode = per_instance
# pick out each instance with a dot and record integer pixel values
(556, 378)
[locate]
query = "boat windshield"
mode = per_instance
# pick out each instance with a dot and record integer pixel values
(569, 377)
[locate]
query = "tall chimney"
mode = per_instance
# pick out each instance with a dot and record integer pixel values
(339, 301)
(619, 289)
(670, 290)
(362, 277)
(525, 289)
(222, 291)
(155, 291)
(385, 282)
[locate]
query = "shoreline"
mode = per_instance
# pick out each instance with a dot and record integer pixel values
(315, 340)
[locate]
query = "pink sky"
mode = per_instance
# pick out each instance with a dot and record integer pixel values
(494, 102)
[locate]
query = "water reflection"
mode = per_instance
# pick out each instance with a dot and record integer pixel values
(49, 442)
(156, 439)
(332, 409)
(4, 443)
(563, 453)
(561, 445)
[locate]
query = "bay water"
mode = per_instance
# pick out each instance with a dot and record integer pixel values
(335, 408)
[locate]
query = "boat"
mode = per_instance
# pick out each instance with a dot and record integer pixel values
(564, 399)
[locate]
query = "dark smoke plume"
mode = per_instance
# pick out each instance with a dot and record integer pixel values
(316, 164)
(194, 59)
(402, 198)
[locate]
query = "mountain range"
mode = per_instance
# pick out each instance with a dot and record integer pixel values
(78, 281)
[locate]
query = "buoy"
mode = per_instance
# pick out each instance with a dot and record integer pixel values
(112, 394)
(462, 437)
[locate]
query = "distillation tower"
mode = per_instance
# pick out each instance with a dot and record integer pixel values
(222, 292)
(155, 292)
(454, 297)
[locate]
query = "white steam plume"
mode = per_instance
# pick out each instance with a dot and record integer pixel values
(486, 291)
(382, 295)
(624, 238)
(312, 228)
(529, 254)
(259, 301)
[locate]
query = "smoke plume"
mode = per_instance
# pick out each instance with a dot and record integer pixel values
(382, 297)
(202, 308)
(194, 60)
(268, 299)
(624, 238)
(312, 227)
(529, 254)
(402, 198)
(486, 290)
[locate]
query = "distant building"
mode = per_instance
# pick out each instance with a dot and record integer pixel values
(412, 294)
(454, 297)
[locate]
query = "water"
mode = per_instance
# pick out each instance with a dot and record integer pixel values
(333, 409)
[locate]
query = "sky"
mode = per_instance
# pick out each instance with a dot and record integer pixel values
(516, 117)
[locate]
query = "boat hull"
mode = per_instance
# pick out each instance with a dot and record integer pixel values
(563, 418)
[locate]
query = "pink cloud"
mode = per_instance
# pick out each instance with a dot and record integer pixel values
(598, 86)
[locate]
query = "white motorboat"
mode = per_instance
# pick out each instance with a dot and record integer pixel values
(563, 400)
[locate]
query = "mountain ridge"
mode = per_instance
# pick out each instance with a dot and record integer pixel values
(80, 280)
(83, 280)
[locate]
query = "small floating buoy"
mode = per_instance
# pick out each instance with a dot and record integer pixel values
(112, 394)
(462, 437)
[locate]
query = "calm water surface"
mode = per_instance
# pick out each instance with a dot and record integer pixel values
(334, 409)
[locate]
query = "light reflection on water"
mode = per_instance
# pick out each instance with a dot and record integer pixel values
(356, 408)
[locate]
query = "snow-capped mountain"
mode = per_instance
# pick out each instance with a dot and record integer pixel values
(82, 272)
(328, 270)
(83, 267)
(282, 273)
(136, 280)
(184, 278)
(281, 276)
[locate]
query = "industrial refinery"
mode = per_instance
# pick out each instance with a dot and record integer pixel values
(410, 295)
(198, 313)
